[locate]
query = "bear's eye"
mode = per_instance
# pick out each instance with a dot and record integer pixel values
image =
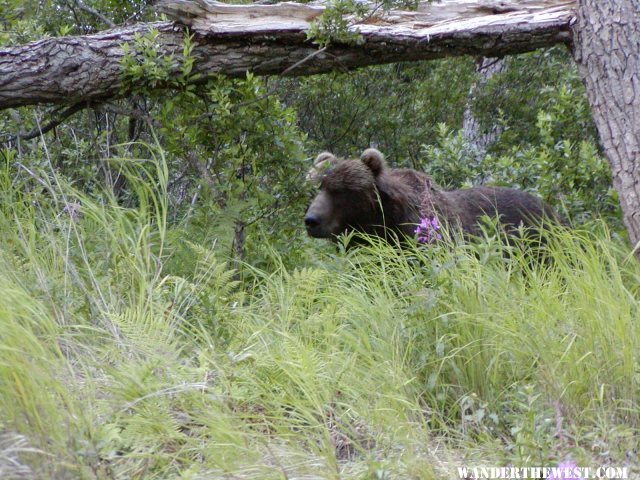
(337, 191)
(331, 187)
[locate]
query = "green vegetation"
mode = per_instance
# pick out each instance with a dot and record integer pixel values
(375, 364)
(164, 315)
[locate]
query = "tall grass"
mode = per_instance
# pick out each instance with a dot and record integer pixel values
(379, 363)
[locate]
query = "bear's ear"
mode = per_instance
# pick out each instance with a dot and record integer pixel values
(373, 159)
(321, 164)
(324, 157)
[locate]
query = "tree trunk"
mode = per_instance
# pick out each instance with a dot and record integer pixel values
(607, 52)
(271, 39)
(485, 68)
(239, 237)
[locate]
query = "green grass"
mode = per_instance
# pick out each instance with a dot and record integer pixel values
(369, 365)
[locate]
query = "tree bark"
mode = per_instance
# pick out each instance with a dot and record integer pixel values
(485, 69)
(607, 51)
(271, 39)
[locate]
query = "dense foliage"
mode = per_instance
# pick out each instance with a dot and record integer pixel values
(547, 144)
(164, 314)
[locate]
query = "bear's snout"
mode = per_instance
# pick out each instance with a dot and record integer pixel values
(320, 219)
(312, 222)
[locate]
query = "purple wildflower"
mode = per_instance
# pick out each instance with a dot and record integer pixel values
(427, 230)
(564, 471)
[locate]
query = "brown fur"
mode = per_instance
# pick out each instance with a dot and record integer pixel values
(366, 196)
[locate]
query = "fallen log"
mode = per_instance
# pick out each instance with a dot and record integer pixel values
(272, 40)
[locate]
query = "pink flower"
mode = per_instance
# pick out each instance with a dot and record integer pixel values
(564, 471)
(427, 230)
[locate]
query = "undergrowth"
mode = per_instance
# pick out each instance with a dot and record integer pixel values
(117, 361)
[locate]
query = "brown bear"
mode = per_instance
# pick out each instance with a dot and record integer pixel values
(368, 197)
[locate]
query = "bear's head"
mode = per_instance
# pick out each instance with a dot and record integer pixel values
(349, 197)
